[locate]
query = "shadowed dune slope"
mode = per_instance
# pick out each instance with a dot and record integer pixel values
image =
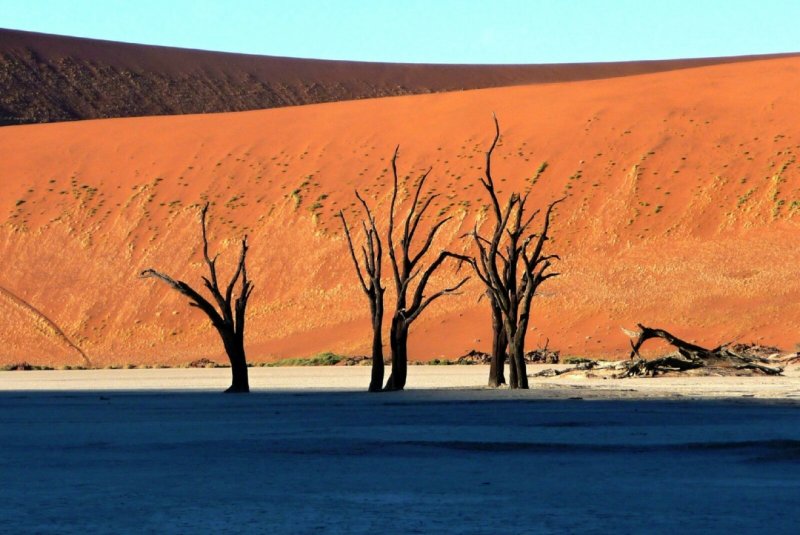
(683, 212)
(46, 78)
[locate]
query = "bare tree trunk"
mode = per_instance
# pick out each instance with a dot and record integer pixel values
(513, 377)
(376, 381)
(234, 347)
(518, 375)
(519, 364)
(497, 365)
(513, 372)
(398, 339)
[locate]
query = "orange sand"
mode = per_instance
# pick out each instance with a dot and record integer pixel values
(683, 213)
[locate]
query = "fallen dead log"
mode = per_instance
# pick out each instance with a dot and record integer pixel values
(640, 367)
(474, 357)
(766, 370)
(542, 356)
(690, 356)
(537, 356)
(789, 360)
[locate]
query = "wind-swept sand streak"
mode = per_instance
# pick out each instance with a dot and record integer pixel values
(42, 323)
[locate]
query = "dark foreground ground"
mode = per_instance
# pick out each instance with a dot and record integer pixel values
(449, 461)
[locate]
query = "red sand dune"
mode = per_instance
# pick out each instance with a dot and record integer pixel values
(683, 213)
(47, 78)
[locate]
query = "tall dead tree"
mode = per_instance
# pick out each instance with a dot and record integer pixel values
(512, 264)
(229, 320)
(370, 280)
(406, 266)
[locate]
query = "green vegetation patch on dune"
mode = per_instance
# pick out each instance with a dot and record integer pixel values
(322, 359)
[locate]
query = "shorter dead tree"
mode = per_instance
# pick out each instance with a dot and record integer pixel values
(689, 356)
(370, 280)
(229, 320)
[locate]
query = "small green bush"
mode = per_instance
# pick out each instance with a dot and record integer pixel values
(323, 359)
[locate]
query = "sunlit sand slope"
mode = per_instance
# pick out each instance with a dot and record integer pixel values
(682, 211)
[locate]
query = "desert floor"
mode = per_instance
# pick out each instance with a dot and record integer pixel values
(308, 452)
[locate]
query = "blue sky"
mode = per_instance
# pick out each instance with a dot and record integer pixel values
(430, 31)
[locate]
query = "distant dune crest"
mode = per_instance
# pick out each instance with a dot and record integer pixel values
(48, 78)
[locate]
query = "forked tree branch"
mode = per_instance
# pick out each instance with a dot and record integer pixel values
(353, 253)
(229, 315)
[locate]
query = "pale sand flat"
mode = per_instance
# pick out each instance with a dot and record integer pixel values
(356, 378)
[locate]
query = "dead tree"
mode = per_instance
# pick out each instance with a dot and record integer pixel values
(370, 280)
(406, 266)
(512, 265)
(229, 320)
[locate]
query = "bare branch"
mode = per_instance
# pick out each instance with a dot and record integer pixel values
(419, 215)
(543, 236)
(389, 236)
(423, 283)
(368, 211)
(428, 241)
(353, 252)
(408, 234)
(374, 241)
(368, 242)
(197, 300)
(427, 301)
(530, 219)
(237, 273)
(489, 182)
(212, 267)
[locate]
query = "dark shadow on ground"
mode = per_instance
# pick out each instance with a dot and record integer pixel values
(449, 461)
